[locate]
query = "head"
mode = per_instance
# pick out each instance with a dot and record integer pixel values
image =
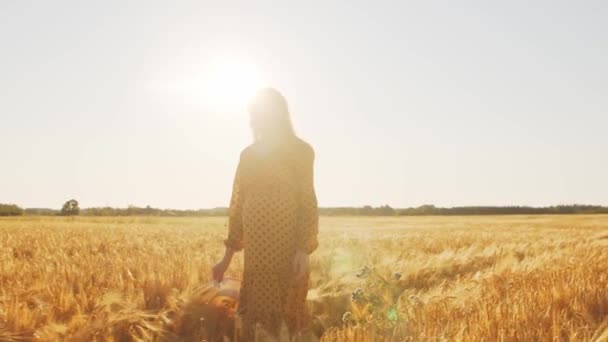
(270, 119)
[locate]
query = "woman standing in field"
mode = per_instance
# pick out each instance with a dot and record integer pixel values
(273, 217)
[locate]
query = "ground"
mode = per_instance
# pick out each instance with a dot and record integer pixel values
(513, 278)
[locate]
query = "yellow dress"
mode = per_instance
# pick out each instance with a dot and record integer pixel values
(273, 213)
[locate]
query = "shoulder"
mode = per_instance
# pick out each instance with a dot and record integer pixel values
(301, 148)
(304, 147)
(254, 151)
(247, 152)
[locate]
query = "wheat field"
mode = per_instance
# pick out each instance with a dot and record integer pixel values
(510, 278)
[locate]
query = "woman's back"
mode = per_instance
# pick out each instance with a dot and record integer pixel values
(271, 181)
(274, 169)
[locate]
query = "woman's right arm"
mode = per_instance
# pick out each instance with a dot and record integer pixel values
(234, 242)
(235, 220)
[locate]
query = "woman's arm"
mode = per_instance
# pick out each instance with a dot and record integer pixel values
(308, 226)
(234, 242)
(235, 220)
(308, 217)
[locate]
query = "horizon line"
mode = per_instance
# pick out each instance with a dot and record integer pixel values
(338, 206)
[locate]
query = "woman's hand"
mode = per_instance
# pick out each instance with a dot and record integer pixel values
(300, 265)
(220, 268)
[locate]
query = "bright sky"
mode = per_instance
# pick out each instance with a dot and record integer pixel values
(406, 103)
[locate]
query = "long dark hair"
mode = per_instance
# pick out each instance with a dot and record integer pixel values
(270, 118)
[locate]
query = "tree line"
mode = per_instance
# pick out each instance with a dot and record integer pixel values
(10, 210)
(71, 208)
(431, 210)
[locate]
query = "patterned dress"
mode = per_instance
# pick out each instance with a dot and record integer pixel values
(273, 214)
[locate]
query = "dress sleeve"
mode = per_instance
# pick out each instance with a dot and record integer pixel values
(235, 221)
(308, 223)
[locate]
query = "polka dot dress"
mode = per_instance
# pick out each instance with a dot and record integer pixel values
(273, 214)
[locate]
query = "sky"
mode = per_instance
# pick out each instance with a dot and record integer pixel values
(405, 102)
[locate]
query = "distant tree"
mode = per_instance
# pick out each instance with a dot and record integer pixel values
(426, 209)
(70, 208)
(366, 210)
(385, 210)
(10, 210)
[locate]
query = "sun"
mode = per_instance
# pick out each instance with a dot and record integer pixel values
(229, 84)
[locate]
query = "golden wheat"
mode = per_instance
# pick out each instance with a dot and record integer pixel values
(511, 278)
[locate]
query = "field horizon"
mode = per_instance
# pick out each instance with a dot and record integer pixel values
(367, 210)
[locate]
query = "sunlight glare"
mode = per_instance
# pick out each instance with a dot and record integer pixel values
(228, 85)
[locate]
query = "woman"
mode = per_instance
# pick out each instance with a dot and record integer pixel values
(273, 217)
